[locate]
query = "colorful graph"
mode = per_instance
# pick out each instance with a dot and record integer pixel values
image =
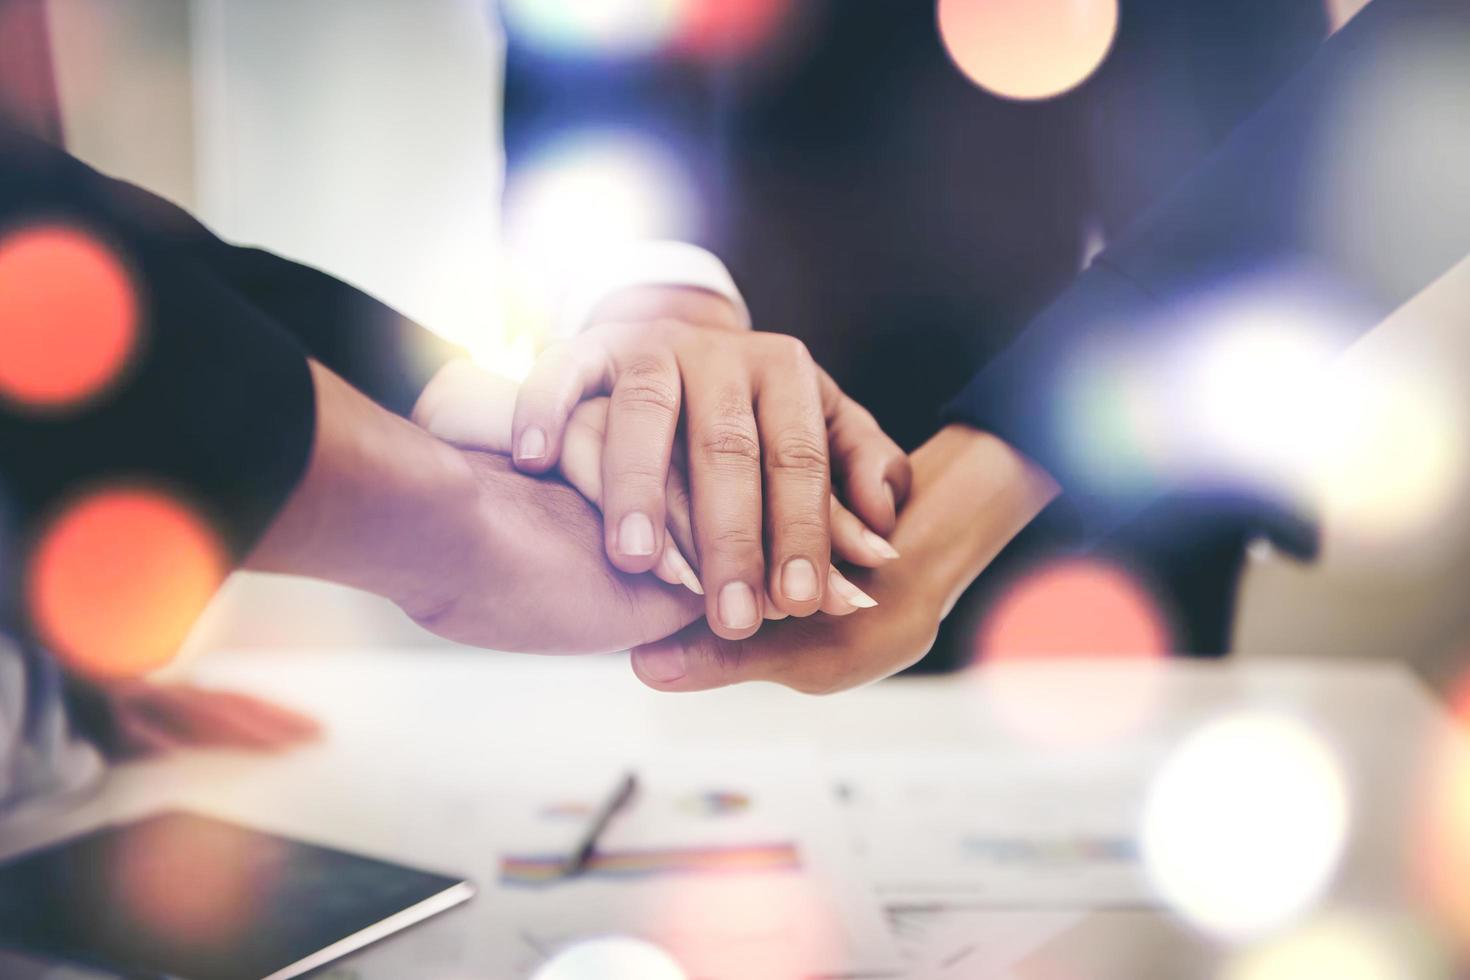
(715, 803)
(545, 869)
(567, 810)
(1064, 850)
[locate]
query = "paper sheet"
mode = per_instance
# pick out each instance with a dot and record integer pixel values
(1012, 832)
(736, 865)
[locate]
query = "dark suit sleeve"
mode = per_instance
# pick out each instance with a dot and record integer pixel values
(1356, 174)
(215, 406)
(383, 354)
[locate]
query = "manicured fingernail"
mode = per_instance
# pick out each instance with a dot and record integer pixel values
(799, 580)
(533, 444)
(676, 562)
(662, 662)
(851, 592)
(880, 546)
(737, 606)
(635, 535)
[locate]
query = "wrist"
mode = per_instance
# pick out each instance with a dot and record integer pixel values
(972, 493)
(381, 507)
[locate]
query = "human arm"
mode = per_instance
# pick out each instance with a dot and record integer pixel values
(1320, 199)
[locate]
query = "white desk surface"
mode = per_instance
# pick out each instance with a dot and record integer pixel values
(403, 726)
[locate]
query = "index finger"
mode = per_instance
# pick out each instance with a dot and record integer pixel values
(871, 469)
(561, 377)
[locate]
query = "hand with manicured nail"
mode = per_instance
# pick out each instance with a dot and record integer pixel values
(972, 493)
(471, 408)
(765, 432)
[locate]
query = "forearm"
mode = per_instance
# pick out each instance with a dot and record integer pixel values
(382, 506)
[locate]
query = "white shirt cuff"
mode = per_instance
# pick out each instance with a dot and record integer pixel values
(653, 263)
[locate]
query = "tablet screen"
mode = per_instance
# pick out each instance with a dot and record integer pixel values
(189, 896)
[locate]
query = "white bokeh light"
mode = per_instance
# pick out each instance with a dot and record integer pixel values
(1388, 442)
(1245, 823)
(1341, 946)
(596, 27)
(611, 958)
(580, 202)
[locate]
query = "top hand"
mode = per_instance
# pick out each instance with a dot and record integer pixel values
(763, 423)
(972, 493)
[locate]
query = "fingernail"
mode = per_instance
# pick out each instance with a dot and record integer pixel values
(851, 592)
(676, 561)
(533, 444)
(799, 580)
(879, 544)
(737, 606)
(635, 535)
(662, 662)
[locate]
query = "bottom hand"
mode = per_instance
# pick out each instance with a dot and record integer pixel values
(971, 494)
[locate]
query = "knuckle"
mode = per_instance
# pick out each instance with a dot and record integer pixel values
(732, 442)
(788, 349)
(647, 385)
(736, 539)
(800, 453)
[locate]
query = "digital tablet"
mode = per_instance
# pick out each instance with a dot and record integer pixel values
(182, 895)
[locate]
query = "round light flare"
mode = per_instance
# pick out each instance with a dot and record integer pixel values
(1114, 425)
(1028, 49)
(1342, 947)
(788, 922)
(68, 317)
(1245, 824)
(1079, 609)
(1391, 453)
(193, 885)
(118, 579)
(728, 28)
(611, 958)
(1248, 411)
(611, 28)
(580, 202)
(1441, 831)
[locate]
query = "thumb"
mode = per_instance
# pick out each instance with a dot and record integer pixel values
(695, 659)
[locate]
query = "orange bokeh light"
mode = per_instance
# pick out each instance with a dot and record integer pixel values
(725, 28)
(1081, 608)
(119, 578)
(194, 885)
(1028, 654)
(1441, 833)
(1028, 49)
(68, 317)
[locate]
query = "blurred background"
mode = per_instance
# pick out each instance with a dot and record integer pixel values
(364, 137)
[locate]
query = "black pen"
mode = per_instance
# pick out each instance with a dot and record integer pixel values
(621, 797)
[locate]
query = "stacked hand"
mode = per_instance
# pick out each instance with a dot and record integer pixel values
(763, 433)
(722, 459)
(760, 424)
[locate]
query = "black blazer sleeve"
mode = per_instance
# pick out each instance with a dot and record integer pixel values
(383, 354)
(215, 404)
(1376, 119)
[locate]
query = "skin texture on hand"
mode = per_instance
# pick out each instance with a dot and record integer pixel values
(471, 408)
(765, 433)
(467, 546)
(971, 494)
